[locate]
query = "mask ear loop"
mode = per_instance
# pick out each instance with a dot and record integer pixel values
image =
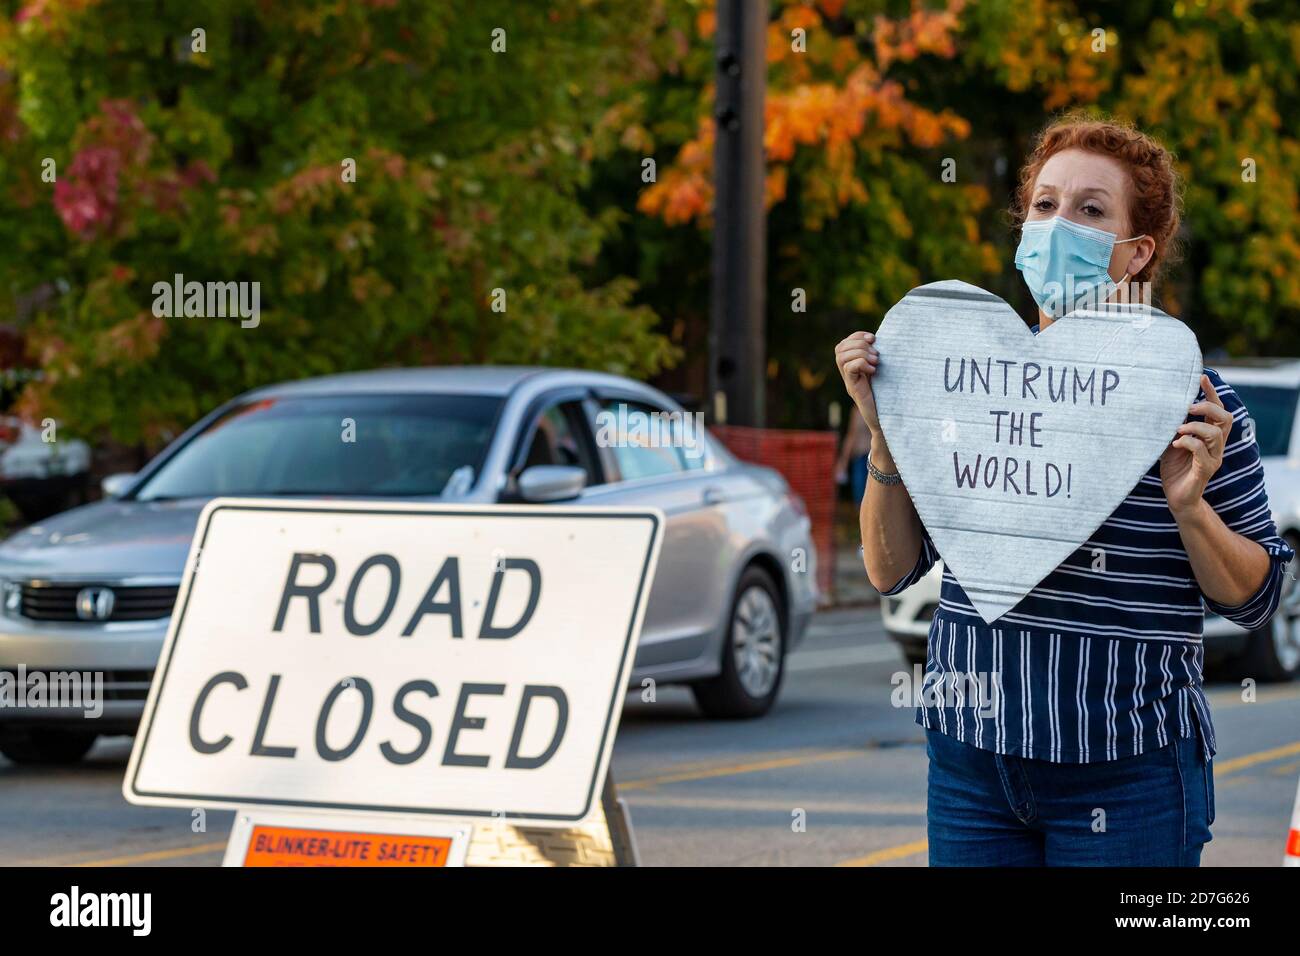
(1127, 275)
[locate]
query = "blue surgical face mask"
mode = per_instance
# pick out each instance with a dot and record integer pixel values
(1064, 264)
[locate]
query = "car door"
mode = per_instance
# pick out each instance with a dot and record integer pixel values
(690, 593)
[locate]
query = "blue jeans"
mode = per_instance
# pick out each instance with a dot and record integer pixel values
(985, 809)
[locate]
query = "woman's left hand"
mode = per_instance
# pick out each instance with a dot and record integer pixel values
(1196, 454)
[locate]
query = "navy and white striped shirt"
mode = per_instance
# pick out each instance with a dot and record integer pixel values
(1103, 658)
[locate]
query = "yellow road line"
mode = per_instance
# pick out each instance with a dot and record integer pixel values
(888, 854)
(1223, 699)
(737, 769)
(1223, 767)
(156, 855)
(149, 857)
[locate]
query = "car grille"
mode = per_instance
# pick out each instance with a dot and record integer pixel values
(58, 602)
(118, 685)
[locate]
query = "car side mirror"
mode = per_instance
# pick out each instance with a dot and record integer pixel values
(543, 483)
(115, 486)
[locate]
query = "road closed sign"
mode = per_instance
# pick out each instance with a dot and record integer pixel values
(439, 660)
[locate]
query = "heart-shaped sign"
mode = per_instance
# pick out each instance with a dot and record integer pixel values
(1016, 447)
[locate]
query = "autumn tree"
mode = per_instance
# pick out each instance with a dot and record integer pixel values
(860, 206)
(401, 179)
(1215, 81)
(894, 134)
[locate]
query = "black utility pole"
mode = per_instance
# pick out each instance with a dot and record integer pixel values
(737, 348)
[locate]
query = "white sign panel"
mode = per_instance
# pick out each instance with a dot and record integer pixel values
(438, 660)
(1016, 447)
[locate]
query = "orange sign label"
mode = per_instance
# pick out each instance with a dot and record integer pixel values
(290, 846)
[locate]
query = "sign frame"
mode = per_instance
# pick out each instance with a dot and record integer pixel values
(243, 803)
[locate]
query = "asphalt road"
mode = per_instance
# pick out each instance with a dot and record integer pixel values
(834, 775)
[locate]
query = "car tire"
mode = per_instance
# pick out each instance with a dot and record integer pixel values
(753, 652)
(46, 746)
(1273, 651)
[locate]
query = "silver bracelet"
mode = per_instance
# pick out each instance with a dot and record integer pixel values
(881, 477)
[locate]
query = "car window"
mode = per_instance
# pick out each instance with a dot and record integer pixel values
(647, 442)
(560, 438)
(369, 445)
(1272, 408)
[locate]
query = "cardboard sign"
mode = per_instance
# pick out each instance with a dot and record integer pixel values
(436, 660)
(297, 840)
(1015, 447)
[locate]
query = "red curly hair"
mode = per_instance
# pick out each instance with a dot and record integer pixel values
(1154, 204)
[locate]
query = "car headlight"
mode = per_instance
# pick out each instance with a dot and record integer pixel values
(13, 597)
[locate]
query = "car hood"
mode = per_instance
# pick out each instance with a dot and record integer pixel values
(107, 539)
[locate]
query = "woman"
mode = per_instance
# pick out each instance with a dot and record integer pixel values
(1099, 749)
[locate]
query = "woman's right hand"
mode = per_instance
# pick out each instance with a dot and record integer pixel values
(857, 360)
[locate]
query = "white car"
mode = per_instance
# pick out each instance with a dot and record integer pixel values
(1270, 389)
(39, 474)
(30, 456)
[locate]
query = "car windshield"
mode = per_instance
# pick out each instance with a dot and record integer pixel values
(368, 445)
(1272, 407)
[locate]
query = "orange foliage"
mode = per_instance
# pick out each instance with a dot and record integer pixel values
(827, 100)
(685, 190)
(921, 32)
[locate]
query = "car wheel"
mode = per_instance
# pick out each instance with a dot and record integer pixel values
(753, 653)
(1273, 651)
(45, 746)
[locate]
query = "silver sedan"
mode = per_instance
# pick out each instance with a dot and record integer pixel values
(89, 592)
